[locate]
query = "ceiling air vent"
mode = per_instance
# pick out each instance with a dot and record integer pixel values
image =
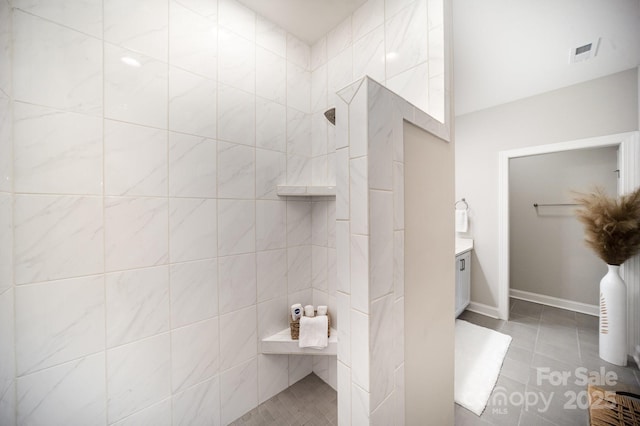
(584, 52)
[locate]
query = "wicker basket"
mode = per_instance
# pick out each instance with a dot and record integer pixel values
(608, 407)
(295, 326)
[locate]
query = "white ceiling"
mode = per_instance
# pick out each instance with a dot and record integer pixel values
(308, 20)
(506, 50)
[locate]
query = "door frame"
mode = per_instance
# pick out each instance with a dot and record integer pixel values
(629, 166)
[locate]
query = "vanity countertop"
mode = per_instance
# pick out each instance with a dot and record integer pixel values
(463, 245)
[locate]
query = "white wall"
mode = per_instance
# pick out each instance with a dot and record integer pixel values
(566, 268)
(604, 106)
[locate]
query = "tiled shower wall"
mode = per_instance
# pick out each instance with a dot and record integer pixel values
(7, 361)
(151, 251)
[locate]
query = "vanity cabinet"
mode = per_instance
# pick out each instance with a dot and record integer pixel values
(463, 281)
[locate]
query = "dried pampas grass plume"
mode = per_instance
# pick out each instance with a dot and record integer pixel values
(612, 226)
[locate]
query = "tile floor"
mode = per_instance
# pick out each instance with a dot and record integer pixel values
(547, 343)
(309, 402)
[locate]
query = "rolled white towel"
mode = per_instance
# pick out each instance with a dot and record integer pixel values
(309, 311)
(322, 310)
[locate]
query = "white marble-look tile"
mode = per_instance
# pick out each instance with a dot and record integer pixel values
(192, 229)
(193, 36)
(398, 332)
(437, 95)
(6, 135)
(319, 170)
(135, 159)
(271, 77)
(298, 88)
(398, 263)
(238, 338)
(300, 366)
(236, 227)
(436, 51)
(7, 405)
(319, 89)
(238, 390)
(367, 17)
(194, 291)
(273, 316)
(273, 375)
(236, 171)
(319, 270)
(359, 277)
(359, 402)
(342, 184)
(384, 414)
(298, 223)
(141, 26)
(6, 13)
(236, 115)
(84, 16)
(319, 53)
(270, 36)
(319, 137)
(298, 170)
(339, 74)
(192, 103)
(331, 168)
(194, 354)
(359, 197)
(271, 225)
(6, 244)
(319, 217)
(56, 66)
(56, 237)
(237, 282)
(413, 85)
(339, 38)
(406, 38)
(360, 351)
(299, 268)
(236, 61)
(47, 335)
(237, 18)
(192, 166)
(298, 52)
(157, 414)
(298, 132)
(205, 8)
(332, 285)
(368, 55)
(331, 223)
(435, 10)
(381, 244)
(343, 248)
(398, 195)
(272, 274)
(341, 133)
(135, 87)
(137, 304)
(321, 367)
(344, 394)
(71, 393)
(136, 232)
(399, 395)
(52, 148)
(271, 171)
(7, 343)
(198, 405)
(138, 376)
(382, 362)
(271, 125)
(359, 122)
(343, 311)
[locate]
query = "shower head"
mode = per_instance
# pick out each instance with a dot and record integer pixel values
(331, 115)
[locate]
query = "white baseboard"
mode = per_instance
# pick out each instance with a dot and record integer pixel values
(480, 308)
(555, 301)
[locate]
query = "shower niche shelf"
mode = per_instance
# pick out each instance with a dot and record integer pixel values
(281, 343)
(306, 191)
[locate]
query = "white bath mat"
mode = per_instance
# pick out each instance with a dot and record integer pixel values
(479, 356)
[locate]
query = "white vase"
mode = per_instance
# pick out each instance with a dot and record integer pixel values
(613, 317)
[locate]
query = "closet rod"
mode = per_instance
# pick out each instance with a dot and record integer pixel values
(555, 204)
